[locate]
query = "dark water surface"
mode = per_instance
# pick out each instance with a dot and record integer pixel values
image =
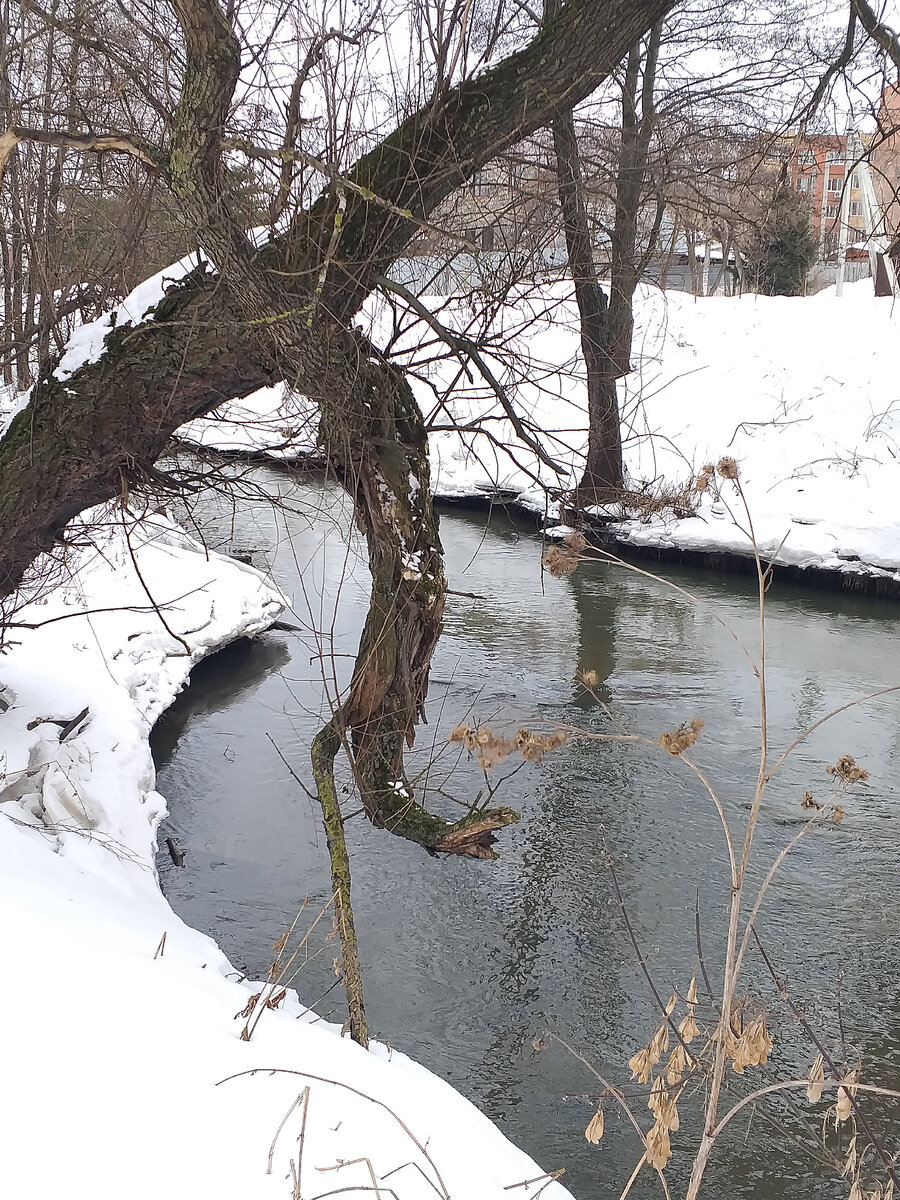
(466, 962)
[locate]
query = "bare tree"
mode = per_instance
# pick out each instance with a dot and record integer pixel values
(284, 311)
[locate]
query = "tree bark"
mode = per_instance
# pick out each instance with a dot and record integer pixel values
(283, 313)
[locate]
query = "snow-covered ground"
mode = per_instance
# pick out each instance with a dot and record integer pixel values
(121, 1023)
(120, 1020)
(804, 394)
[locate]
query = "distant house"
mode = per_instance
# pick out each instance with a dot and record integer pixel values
(819, 170)
(886, 160)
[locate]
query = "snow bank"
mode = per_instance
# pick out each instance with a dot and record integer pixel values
(803, 393)
(119, 1019)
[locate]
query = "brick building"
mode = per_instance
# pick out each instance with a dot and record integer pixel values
(817, 169)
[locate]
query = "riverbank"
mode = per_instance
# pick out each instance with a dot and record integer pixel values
(121, 1020)
(802, 393)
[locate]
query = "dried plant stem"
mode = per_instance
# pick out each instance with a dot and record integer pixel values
(732, 960)
(617, 1095)
(764, 886)
(795, 1084)
(887, 1161)
(302, 1098)
(828, 716)
(639, 1165)
(440, 1187)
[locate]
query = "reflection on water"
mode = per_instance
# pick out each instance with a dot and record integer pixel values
(465, 961)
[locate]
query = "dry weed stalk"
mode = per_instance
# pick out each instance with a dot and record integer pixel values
(738, 1034)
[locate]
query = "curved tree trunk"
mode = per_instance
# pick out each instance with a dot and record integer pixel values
(283, 312)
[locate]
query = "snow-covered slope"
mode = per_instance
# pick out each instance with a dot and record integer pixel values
(804, 393)
(119, 1020)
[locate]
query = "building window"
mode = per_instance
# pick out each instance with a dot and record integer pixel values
(832, 211)
(835, 183)
(807, 158)
(834, 157)
(804, 183)
(480, 183)
(855, 208)
(519, 174)
(487, 237)
(854, 180)
(471, 236)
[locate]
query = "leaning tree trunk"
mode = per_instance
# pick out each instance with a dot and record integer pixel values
(284, 313)
(383, 463)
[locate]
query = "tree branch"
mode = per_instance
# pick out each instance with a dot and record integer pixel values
(878, 31)
(104, 143)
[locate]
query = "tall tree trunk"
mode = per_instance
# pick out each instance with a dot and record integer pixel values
(607, 325)
(602, 477)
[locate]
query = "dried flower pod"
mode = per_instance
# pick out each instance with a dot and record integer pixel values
(816, 1080)
(727, 468)
(459, 734)
(688, 1026)
(683, 738)
(659, 1148)
(659, 1043)
(676, 1065)
(575, 541)
(844, 1107)
(640, 1065)
(561, 560)
(590, 679)
(658, 1098)
(594, 1131)
(848, 770)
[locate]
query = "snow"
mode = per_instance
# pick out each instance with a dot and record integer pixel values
(120, 1021)
(86, 343)
(803, 393)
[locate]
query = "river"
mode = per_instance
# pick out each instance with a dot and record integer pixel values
(467, 962)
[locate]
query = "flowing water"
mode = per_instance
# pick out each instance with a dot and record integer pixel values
(467, 962)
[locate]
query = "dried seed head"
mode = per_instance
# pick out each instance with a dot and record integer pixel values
(843, 1108)
(670, 1007)
(575, 541)
(688, 1027)
(590, 679)
(676, 1065)
(640, 1065)
(816, 1080)
(561, 560)
(701, 483)
(848, 771)
(539, 1043)
(808, 801)
(670, 1117)
(659, 1043)
(659, 1148)
(658, 1097)
(753, 1047)
(683, 738)
(727, 468)
(594, 1131)
(459, 734)
(838, 815)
